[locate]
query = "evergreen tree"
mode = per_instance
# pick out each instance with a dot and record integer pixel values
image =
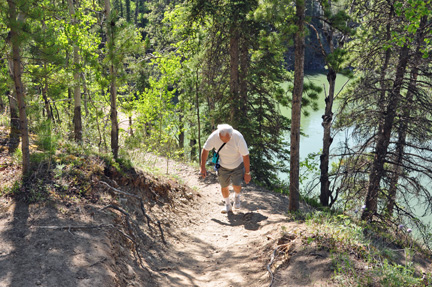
(250, 50)
(332, 31)
(77, 90)
(15, 23)
(294, 192)
(377, 104)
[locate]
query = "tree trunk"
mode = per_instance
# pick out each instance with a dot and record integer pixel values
(181, 132)
(137, 8)
(327, 139)
(381, 105)
(14, 38)
(198, 117)
(131, 132)
(87, 96)
(294, 196)
(14, 135)
(15, 129)
(192, 143)
(113, 87)
(234, 74)
(128, 11)
(77, 91)
(2, 104)
(244, 68)
(400, 145)
(384, 135)
(327, 122)
(46, 101)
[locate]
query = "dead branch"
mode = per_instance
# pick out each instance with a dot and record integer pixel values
(70, 227)
(286, 247)
(132, 236)
(134, 196)
(161, 231)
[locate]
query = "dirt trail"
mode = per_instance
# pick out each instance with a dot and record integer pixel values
(77, 243)
(216, 249)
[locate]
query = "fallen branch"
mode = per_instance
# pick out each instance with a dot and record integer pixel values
(132, 236)
(270, 264)
(134, 196)
(287, 247)
(161, 231)
(71, 227)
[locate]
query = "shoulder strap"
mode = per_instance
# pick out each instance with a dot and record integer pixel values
(216, 156)
(220, 148)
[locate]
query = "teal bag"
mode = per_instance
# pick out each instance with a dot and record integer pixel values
(215, 158)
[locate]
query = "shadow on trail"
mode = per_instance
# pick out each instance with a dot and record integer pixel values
(249, 220)
(33, 255)
(198, 263)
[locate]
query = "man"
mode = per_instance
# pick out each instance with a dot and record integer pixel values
(234, 161)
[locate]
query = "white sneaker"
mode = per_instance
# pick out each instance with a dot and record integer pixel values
(237, 204)
(227, 208)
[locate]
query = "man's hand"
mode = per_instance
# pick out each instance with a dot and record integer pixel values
(247, 178)
(204, 155)
(203, 172)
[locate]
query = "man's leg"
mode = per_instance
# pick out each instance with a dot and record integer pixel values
(237, 190)
(225, 192)
(237, 179)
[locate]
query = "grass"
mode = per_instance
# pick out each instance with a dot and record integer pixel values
(361, 254)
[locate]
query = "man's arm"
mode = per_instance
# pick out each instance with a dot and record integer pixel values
(204, 155)
(246, 162)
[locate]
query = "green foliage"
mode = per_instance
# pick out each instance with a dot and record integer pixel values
(11, 190)
(17, 156)
(359, 258)
(413, 11)
(47, 140)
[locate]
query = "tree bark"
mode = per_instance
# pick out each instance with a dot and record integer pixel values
(15, 129)
(2, 104)
(77, 91)
(198, 117)
(113, 87)
(244, 68)
(372, 194)
(327, 123)
(17, 75)
(406, 112)
(327, 139)
(137, 8)
(14, 135)
(234, 71)
(128, 10)
(383, 141)
(48, 108)
(294, 196)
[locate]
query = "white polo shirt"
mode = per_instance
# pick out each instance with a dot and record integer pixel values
(231, 155)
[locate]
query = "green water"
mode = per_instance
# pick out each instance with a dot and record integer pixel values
(312, 128)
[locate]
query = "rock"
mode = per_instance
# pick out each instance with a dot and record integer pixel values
(130, 273)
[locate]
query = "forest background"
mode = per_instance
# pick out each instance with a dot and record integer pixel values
(158, 76)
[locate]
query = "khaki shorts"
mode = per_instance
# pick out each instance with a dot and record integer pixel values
(235, 176)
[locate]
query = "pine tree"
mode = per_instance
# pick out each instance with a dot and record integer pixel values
(294, 192)
(14, 25)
